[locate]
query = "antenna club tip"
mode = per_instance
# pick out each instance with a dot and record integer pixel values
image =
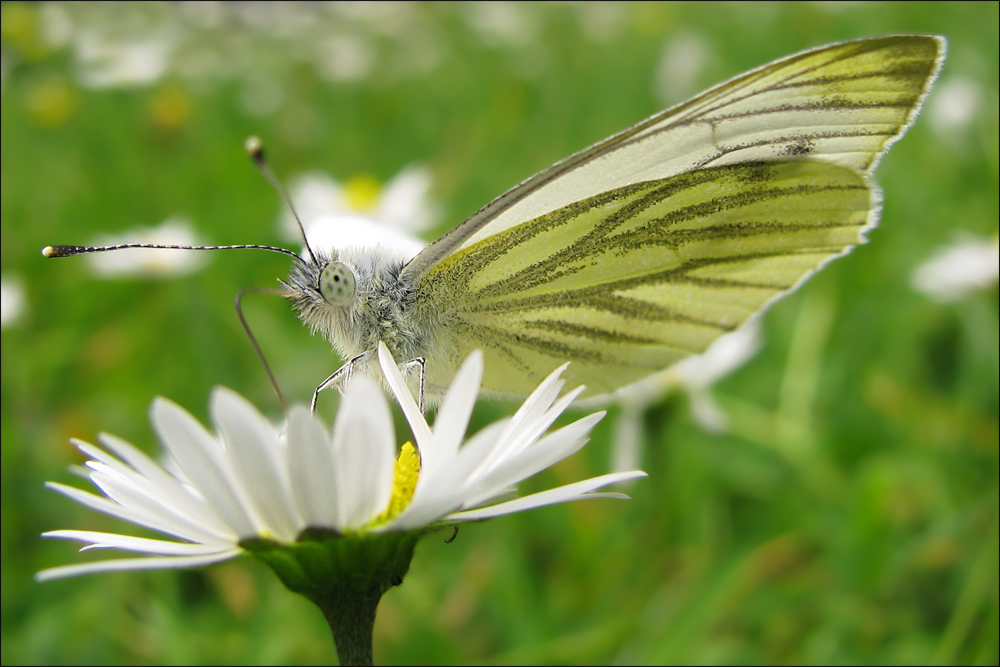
(63, 250)
(254, 146)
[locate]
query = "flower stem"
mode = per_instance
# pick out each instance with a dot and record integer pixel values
(351, 616)
(343, 575)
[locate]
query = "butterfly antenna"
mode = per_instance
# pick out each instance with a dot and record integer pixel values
(253, 339)
(71, 250)
(255, 147)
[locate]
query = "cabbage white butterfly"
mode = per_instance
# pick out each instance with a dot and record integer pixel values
(642, 249)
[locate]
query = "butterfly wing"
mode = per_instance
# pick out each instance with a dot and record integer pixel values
(845, 103)
(630, 281)
(645, 247)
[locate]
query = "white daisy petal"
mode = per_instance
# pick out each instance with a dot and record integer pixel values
(539, 400)
(477, 449)
(112, 541)
(121, 565)
(426, 510)
(96, 453)
(529, 414)
(438, 492)
(534, 429)
(174, 492)
(560, 494)
(162, 494)
(498, 458)
(614, 495)
(258, 463)
(364, 446)
(456, 408)
(411, 410)
(143, 500)
(554, 448)
(200, 457)
(311, 469)
(132, 515)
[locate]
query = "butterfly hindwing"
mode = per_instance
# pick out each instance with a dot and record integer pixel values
(626, 283)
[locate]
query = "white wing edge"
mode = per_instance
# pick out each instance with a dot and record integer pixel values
(942, 53)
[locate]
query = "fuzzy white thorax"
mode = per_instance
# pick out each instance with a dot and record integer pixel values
(379, 310)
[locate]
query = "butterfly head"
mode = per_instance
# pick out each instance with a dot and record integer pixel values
(337, 284)
(321, 288)
(352, 295)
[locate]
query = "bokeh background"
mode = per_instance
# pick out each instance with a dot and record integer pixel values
(849, 513)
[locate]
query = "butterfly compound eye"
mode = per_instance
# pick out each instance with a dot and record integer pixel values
(336, 284)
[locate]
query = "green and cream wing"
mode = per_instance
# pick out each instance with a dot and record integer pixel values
(630, 281)
(843, 104)
(642, 249)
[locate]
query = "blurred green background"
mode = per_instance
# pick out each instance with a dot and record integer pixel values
(850, 514)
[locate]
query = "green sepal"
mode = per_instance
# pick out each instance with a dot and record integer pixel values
(344, 575)
(323, 561)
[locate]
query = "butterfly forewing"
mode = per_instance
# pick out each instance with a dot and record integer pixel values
(626, 283)
(842, 104)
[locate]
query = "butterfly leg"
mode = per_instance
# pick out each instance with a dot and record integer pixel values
(407, 368)
(339, 379)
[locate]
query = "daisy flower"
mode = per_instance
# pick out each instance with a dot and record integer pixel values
(336, 515)
(361, 212)
(150, 262)
(954, 271)
(12, 300)
(694, 376)
(103, 61)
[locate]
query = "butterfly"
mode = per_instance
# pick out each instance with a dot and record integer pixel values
(644, 248)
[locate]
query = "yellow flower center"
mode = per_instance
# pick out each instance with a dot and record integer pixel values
(404, 483)
(362, 193)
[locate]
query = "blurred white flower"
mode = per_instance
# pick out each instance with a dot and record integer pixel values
(969, 264)
(954, 105)
(107, 62)
(361, 214)
(684, 58)
(209, 43)
(204, 15)
(603, 21)
(262, 96)
(345, 57)
(697, 374)
(253, 480)
(56, 23)
(147, 261)
(12, 300)
(503, 23)
(694, 376)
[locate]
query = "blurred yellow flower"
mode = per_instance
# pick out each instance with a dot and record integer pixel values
(50, 103)
(170, 107)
